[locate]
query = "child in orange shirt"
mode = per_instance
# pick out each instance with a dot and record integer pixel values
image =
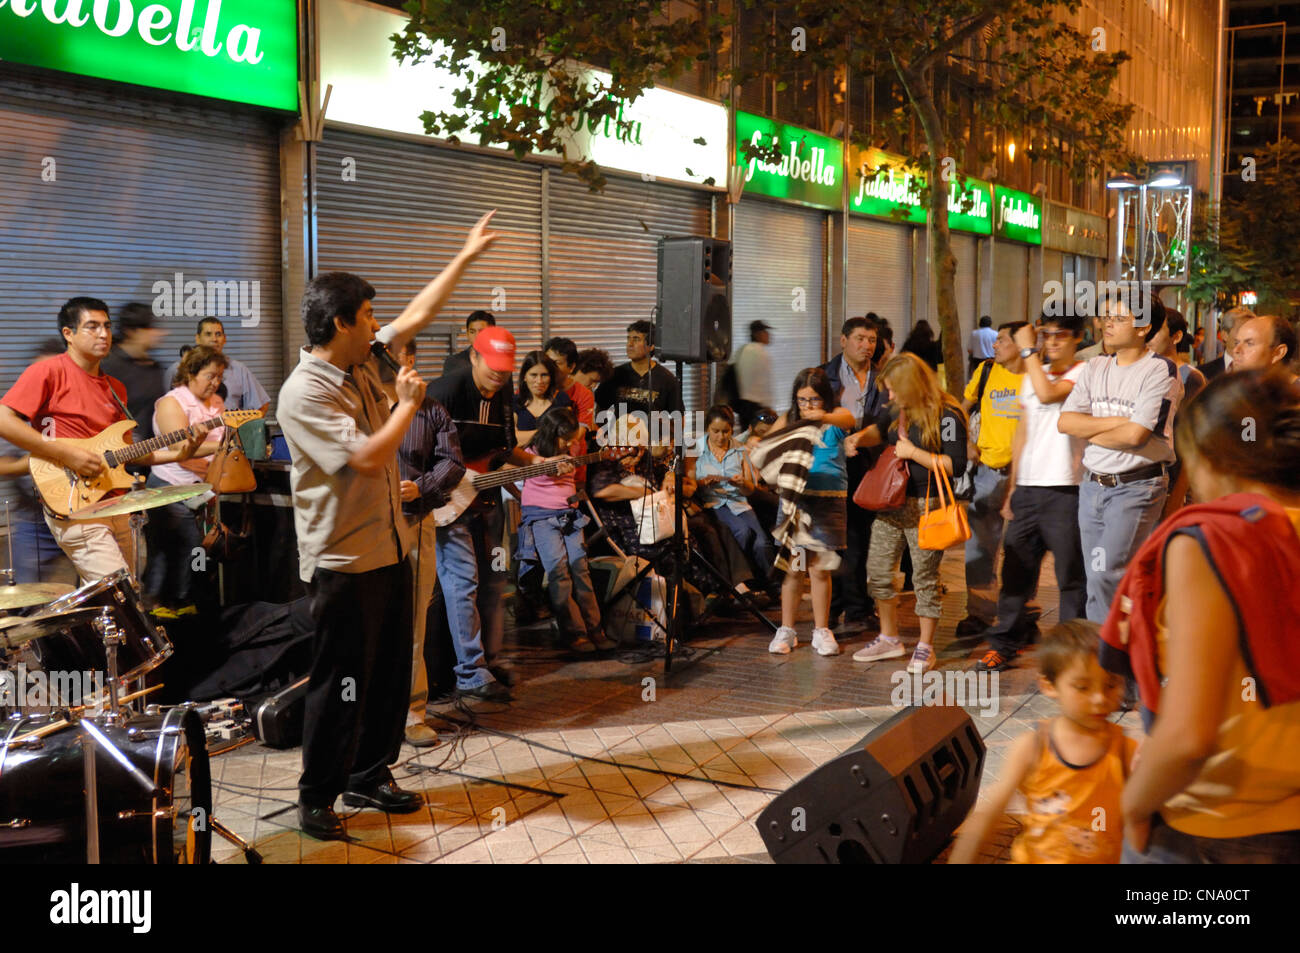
(1071, 769)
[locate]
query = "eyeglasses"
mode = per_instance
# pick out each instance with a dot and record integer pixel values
(1116, 318)
(95, 328)
(808, 401)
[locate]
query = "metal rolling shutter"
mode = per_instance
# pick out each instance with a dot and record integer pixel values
(406, 216)
(780, 248)
(880, 273)
(603, 261)
(146, 185)
(1054, 268)
(1010, 283)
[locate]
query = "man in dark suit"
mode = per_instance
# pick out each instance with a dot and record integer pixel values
(1231, 321)
(853, 380)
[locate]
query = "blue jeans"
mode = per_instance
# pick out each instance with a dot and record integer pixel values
(1168, 846)
(754, 541)
(1114, 521)
(472, 576)
(985, 515)
(558, 542)
(36, 554)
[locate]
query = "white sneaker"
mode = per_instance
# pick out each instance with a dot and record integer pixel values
(823, 642)
(783, 641)
(881, 648)
(922, 659)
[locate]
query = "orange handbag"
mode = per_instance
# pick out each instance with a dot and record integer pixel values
(946, 526)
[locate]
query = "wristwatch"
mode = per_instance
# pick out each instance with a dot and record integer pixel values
(1026, 351)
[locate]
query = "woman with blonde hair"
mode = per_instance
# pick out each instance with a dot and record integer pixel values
(934, 438)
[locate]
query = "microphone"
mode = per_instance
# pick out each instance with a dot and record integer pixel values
(381, 353)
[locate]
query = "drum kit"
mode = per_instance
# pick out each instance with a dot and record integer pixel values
(97, 775)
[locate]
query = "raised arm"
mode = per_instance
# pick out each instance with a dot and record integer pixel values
(425, 306)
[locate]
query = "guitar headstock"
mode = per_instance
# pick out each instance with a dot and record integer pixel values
(237, 418)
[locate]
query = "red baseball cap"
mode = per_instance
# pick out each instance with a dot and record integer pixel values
(497, 348)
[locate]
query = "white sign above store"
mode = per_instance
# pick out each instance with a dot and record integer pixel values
(665, 134)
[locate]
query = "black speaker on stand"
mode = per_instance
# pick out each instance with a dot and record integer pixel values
(694, 298)
(896, 798)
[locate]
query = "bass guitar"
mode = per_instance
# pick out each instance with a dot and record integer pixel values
(65, 491)
(477, 478)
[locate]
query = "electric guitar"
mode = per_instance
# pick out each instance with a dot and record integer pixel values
(65, 491)
(477, 478)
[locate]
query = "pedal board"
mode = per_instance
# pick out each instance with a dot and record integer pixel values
(226, 724)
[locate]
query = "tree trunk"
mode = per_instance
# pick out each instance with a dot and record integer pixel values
(943, 264)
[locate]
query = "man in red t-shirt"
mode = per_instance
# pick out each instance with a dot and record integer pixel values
(67, 397)
(565, 355)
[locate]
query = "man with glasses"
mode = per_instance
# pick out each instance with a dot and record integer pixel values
(1042, 512)
(854, 382)
(69, 397)
(1123, 404)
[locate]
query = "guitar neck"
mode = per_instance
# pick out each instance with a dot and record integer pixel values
(145, 447)
(486, 481)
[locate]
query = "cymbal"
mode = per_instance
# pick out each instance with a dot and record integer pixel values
(138, 500)
(31, 594)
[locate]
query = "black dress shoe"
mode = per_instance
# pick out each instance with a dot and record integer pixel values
(321, 823)
(386, 797)
(491, 692)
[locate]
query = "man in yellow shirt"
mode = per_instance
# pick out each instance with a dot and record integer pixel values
(994, 393)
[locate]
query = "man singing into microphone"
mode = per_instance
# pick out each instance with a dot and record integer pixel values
(352, 538)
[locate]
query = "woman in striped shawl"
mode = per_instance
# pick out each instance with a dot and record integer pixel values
(806, 465)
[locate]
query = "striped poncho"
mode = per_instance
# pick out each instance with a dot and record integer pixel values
(783, 459)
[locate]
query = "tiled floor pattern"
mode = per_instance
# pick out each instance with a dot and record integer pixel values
(611, 762)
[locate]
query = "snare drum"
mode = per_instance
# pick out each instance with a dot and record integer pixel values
(43, 807)
(77, 645)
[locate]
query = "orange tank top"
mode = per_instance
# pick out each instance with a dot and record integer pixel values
(1073, 812)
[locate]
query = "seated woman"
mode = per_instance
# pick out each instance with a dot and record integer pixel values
(539, 390)
(173, 529)
(1205, 621)
(725, 479)
(553, 526)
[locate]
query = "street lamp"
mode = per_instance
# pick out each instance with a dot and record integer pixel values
(1164, 179)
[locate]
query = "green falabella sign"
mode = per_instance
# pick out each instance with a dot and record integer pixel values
(809, 171)
(240, 50)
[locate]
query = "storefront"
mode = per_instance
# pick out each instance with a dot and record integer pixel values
(780, 243)
(895, 243)
(158, 192)
(394, 204)
(1017, 227)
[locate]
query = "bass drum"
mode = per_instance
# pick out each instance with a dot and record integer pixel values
(43, 808)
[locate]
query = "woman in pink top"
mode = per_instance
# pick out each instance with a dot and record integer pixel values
(550, 532)
(172, 531)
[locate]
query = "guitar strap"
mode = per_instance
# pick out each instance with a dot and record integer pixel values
(118, 400)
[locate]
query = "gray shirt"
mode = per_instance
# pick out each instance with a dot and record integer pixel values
(345, 521)
(1146, 392)
(852, 394)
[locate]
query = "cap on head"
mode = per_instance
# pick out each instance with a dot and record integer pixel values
(497, 348)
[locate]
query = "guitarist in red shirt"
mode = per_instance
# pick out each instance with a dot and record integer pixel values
(68, 397)
(471, 570)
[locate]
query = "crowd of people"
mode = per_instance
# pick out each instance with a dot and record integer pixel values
(1141, 475)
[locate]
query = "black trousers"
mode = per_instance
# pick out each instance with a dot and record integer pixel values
(360, 683)
(1046, 518)
(849, 584)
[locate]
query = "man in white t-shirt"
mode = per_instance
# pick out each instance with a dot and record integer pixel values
(1123, 404)
(1042, 511)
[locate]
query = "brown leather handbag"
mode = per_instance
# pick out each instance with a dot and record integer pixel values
(884, 486)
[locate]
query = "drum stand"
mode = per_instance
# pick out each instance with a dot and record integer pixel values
(92, 738)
